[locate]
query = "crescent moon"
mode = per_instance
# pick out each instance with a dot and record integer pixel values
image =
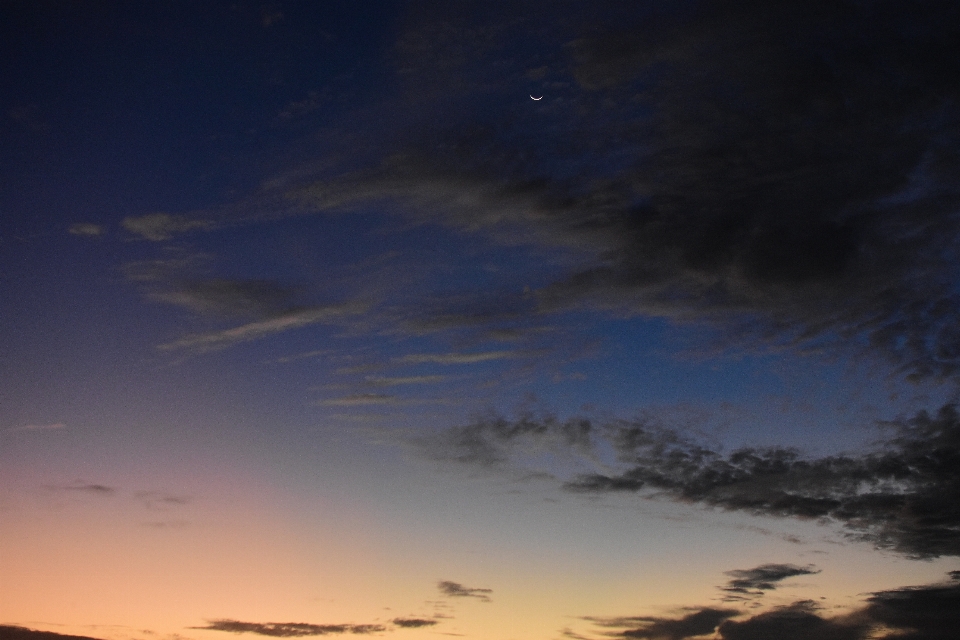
(540, 98)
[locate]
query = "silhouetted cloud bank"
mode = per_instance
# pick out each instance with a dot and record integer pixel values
(930, 612)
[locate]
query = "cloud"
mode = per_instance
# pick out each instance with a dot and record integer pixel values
(764, 577)
(12, 632)
(94, 489)
(784, 173)
(56, 426)
(291, 629)
(413, 623)
(798, 621)
(229, 297)
(385, 381)
(698, 622)
(86, 229)
(160, 501)
(458, 358)
(291, 319)
(359, 400)
(161, 226)
(898, 497)
(457, 590)
(928, 612)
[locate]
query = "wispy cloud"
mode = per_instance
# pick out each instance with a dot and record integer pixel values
(88, 229)
(292, 319)
(13, 632)
(55, 426)
(82, 487)
(702, 169)
(457, 590)
(359, 400)
(459, 358)
(386, 381)
(162, 226)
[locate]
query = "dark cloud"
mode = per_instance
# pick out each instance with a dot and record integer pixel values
(929, 612)
(900, 496)
(413, 623)
(764, 577)
(799, 621)
(95, 489)
(12, 632)
(786, 172)
(457, 590)
(698, 622)
(290, 629)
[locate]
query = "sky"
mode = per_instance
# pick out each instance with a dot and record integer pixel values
(502, 320)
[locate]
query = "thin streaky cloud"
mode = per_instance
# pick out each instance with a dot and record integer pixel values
(254, 330)
(458, 358)
(386, 381)
(290, 629)
(359, 400)
(157, 227)
(91, 488)
(88, 229)
(56, 426)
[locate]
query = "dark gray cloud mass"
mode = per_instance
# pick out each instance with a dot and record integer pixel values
(766, 577)
(290, 629)
(13, 632)
(929, 612)
(902, 496)
(413, 623)
(784, 171)
(696, 623)
(457, 590)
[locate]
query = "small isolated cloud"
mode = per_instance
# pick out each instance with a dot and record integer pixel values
(765, 577)
(290, 629)
(292, 319)
(161, 226)
(56, 426)
(457, 590)
(413, 623)
(86, 229)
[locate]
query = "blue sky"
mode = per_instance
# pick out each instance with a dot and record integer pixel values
(317, 324)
